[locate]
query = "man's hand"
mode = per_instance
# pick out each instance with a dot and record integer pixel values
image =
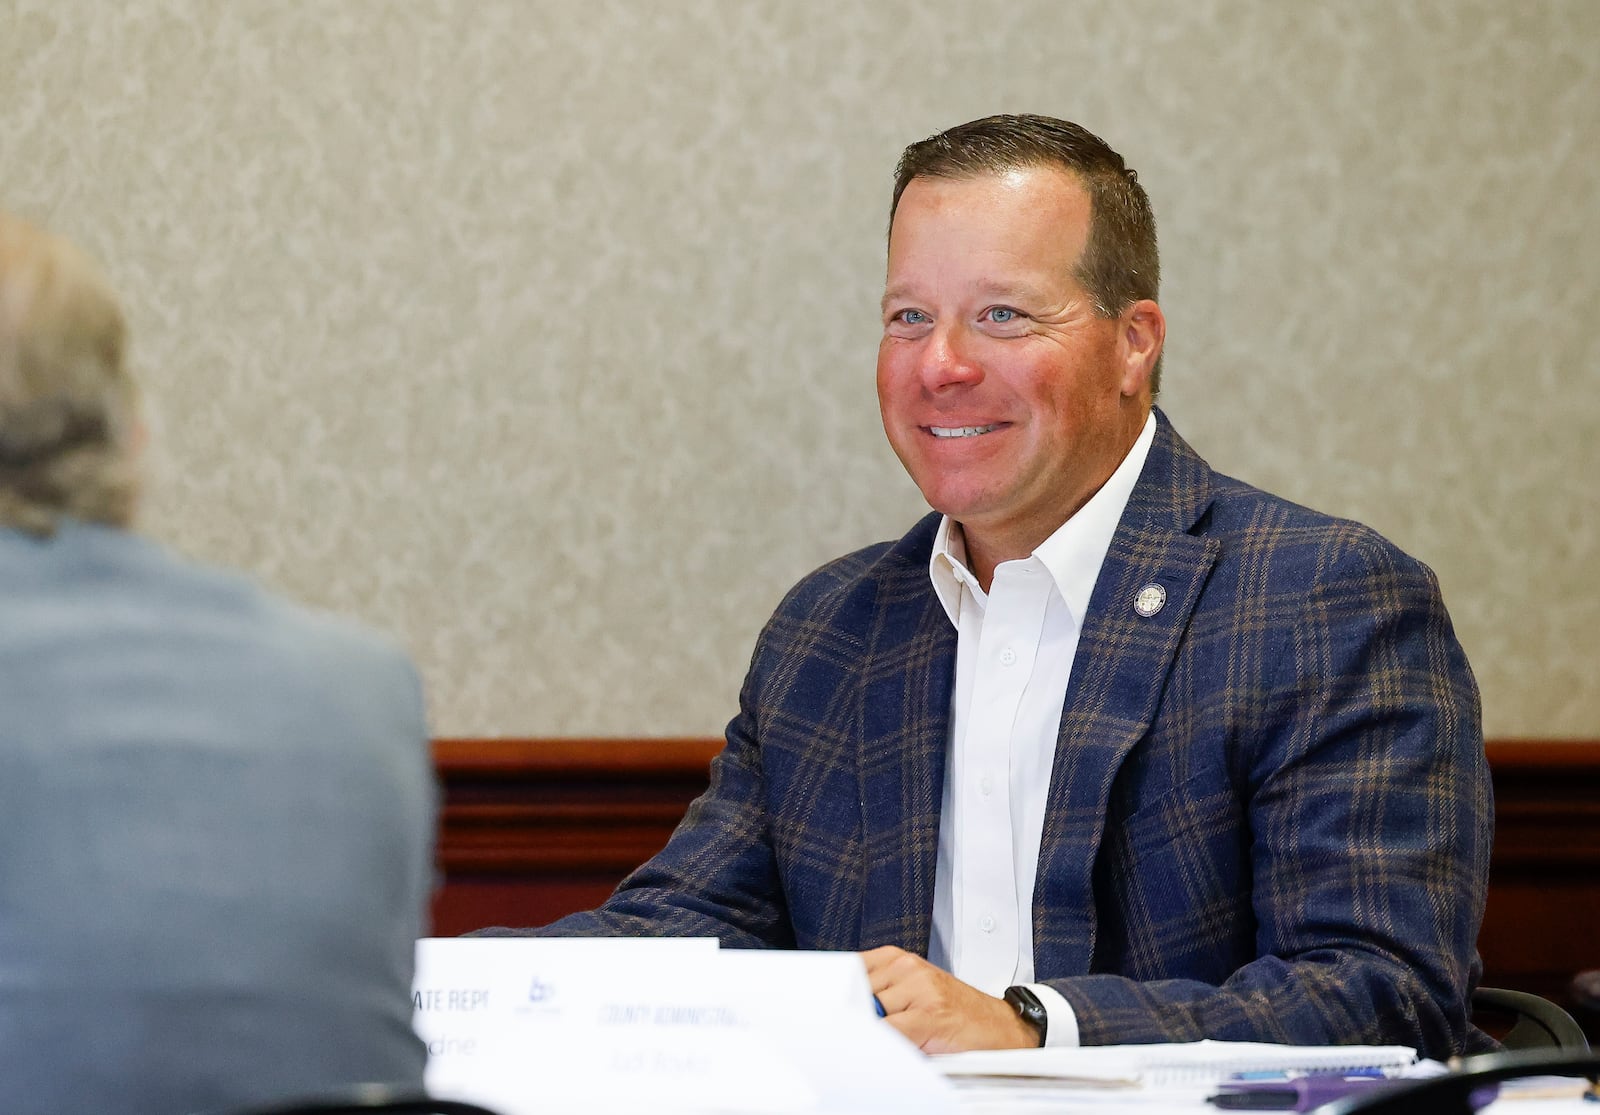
(937, 1011)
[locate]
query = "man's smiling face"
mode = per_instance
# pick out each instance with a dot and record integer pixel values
(1007, 396)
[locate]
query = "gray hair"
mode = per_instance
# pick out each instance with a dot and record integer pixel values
(68, 407)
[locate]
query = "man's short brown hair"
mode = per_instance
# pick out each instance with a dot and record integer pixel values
(1120, 264)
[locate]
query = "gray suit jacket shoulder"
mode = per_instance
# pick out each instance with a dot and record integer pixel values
(216, 825)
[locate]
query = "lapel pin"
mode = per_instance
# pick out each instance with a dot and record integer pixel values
(1151, 599)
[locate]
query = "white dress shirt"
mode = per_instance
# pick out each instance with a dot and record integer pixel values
(1014, 650)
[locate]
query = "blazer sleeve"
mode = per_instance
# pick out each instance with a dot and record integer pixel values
(717, 876)
(1368, 804)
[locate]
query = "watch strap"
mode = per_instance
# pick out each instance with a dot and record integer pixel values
(1029, 1009)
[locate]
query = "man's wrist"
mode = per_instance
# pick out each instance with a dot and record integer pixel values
(1030, 1010)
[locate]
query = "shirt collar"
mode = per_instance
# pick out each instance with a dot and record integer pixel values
(947, 568)
(1072, 555)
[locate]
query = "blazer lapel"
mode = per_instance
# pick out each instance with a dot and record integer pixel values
(907, 676)
(1122, 661)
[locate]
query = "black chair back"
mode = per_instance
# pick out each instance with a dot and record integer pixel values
(1536, 1023)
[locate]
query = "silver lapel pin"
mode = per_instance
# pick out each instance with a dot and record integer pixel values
(1150, 600)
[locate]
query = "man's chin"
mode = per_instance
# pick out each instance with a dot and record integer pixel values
(963, 507)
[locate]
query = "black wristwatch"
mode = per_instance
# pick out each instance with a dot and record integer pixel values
(1029, 1009)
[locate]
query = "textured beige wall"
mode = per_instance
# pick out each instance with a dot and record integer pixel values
(542, 333)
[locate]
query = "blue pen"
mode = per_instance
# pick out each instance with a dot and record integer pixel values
(1281, 1074)
(877, 1005)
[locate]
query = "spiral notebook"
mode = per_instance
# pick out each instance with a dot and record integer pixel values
(1187, 1063)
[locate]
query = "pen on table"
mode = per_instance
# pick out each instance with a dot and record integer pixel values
(1280, 1074)
(1299, 1093)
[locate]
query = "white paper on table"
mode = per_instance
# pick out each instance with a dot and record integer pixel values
(1199, 1062)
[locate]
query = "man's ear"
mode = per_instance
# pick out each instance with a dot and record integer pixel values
(1143, 331)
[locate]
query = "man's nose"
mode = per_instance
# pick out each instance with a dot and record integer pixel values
(950, 360)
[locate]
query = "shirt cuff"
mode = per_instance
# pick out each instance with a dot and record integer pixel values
(1061, 1029)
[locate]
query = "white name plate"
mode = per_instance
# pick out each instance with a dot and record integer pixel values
(461, 981)
(612, 1024)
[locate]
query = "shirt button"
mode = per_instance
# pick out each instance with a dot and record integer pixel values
(986, 785)
(986, 924)
(1008, 657)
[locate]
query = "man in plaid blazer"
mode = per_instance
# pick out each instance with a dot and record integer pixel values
(1260, 807)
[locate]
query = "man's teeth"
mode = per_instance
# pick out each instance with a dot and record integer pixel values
(961, 431)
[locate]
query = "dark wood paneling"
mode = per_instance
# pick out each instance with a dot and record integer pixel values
(534, 829)
(1542, 925)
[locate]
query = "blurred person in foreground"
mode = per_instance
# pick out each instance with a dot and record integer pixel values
(1110, 748)
(216, 808)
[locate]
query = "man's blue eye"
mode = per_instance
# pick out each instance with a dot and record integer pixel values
(913, 317)
(1001, 315)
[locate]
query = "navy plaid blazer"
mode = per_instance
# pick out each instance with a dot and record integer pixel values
(1268, 817)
